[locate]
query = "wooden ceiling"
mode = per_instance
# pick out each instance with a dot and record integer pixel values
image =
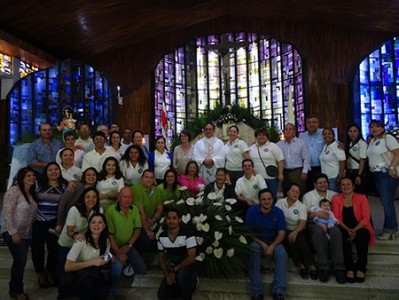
(48, 30)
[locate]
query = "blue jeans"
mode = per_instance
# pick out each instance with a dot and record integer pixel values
(116, 267)
(279, 284)
(387, 186)
(19, 253)
(332, 185)
(272, 184)
(186, 281)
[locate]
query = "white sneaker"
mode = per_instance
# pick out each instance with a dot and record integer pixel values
(386, 236)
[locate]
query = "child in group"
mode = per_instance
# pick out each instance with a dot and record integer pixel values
(325, 224)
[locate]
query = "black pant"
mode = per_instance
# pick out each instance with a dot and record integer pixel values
(300, 251)
(361, 242)
(41, 238)
(309, 182)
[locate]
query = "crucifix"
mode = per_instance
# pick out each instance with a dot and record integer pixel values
(223, 50)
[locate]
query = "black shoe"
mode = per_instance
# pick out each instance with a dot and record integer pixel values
(304, 273)
(278, 297)
(340, 276)
(314, 274)
(257, 297)
(324, 275)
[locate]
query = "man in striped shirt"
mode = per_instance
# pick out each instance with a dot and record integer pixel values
(180, 245)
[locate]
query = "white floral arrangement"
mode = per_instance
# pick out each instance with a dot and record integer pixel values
(219, 230)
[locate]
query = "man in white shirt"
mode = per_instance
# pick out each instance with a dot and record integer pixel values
(248, 187)
(318, 238)
(98, 155)
(84, 140)
(208, 153)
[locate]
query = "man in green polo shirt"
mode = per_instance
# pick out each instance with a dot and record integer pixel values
(124, 226)
(149, 202)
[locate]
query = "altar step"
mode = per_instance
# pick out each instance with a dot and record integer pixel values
(382, 281)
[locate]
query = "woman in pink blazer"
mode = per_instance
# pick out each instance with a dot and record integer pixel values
(352, 210)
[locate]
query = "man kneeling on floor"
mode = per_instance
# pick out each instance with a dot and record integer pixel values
(179, 244)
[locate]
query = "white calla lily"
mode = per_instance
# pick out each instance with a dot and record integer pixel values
(190, 201)
(183, 188)
(186, 218)
(199, 240)
(217, 203)
(218, 252)
(231, 230)
(231, 201)
(181, 201)
(208, 250)
(242, 239)
(215, 244)
(205, 227)
(230, 252)
(219, 218)
(218, 235)
(238, 219)
(227, 207)
(212, 196)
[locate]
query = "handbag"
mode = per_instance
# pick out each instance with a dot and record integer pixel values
(388, 157)
(271, 170)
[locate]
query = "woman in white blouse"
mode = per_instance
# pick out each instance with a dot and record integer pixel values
(356, 156)
(385, 176)
(236, 150)
(332, 160)
(160, 160)
(110, 182)
(264, 154)
(116, 145)
(132, 164)
(87, 257)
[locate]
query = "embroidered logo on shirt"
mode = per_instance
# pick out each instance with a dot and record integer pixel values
(354, 148)
(377, 143)
(266, 150)
(236, 146)
(326, 153)
(114, 182)
(295, 211)
(256, 186)
(140, 170)
(75, 176)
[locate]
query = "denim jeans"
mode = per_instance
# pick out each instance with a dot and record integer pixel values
(387, 186)
(186, 281)
(332, 185)
(272, 184)
(19, 253)
(279, 284)
(116, 267)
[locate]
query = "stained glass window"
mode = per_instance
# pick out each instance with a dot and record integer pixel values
(5, 64)
(376, 87)
(251, 70)
(25, 69)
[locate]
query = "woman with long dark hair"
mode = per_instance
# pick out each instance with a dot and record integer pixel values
(75, 228)
(87, 257)
(19, 209)
(110, 182)
(385, 175)
(69, 198)
(160, 160)
(132, 164)
(169, 189)
(190, 179)
(49, 191)
(356, 156)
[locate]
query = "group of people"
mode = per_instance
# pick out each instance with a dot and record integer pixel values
(94, 202)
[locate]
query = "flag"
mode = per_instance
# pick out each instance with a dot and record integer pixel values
(164, 121)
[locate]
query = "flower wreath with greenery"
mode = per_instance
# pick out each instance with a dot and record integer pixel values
(220, 115)
(219, 229)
